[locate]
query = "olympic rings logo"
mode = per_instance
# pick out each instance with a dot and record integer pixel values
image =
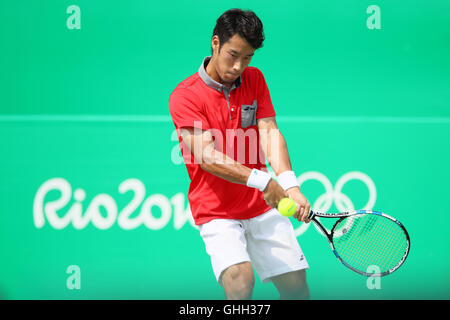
(334, 195)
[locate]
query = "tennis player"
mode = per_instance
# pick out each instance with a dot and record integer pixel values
(226, 126)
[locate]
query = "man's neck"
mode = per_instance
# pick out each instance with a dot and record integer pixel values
(212, 72)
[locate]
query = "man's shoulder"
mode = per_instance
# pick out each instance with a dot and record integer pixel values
(188, 86)
(252, 72)
(186, 93)
(253, 77)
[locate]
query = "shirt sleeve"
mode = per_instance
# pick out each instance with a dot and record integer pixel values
(186, 110)
(265, 107)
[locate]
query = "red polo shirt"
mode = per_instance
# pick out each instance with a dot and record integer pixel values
(230, 115)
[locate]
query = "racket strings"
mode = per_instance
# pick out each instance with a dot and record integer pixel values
(367, 240)
(384, 247)
(380, 244)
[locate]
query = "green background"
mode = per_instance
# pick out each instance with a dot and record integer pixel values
(90, 106)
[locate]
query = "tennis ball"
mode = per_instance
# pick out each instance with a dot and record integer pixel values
(287, 207)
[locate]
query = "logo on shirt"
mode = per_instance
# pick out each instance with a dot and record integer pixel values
(248, 114)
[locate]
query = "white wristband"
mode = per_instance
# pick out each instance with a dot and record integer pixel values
(287, 179)
(258, 179)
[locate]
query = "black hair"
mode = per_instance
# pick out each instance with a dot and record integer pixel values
(244, 23)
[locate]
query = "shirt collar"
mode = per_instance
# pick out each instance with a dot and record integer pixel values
(211, 82)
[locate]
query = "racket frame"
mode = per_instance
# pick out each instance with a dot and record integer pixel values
(342, 215)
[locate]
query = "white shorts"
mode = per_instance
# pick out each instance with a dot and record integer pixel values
(268, 241)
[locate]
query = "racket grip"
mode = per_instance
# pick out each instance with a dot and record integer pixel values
(311, 214)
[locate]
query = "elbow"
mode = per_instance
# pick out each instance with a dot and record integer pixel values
(205, 163)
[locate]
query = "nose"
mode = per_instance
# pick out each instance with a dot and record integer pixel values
(237, 66)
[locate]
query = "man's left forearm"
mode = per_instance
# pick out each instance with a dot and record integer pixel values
(275, 148)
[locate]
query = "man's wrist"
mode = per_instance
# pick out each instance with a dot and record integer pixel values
(258, 179)
(288, 180)
(292, 189)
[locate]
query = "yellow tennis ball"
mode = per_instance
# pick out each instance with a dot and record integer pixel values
(287, 207)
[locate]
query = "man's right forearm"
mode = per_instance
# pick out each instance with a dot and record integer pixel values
(235, 172)
(219, 164)
(226, 168)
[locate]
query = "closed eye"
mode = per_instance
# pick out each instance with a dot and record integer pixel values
(236, 56)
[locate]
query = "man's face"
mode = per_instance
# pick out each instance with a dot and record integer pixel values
(233, 57)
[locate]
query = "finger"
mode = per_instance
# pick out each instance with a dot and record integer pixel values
(305, 213)
(275, 203)
(297, 211)
(295, 216)
(308, 209)
(302, 209)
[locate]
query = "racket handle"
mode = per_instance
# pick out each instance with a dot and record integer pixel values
(311, 214)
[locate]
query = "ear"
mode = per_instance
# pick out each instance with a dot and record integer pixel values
(215, 44)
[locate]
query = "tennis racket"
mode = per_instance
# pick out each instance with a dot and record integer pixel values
(364, 238)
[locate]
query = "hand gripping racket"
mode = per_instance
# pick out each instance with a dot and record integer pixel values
(364, 238)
